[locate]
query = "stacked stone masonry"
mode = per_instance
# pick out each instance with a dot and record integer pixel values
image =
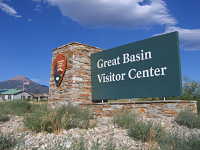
(76, 84)
(147, 109)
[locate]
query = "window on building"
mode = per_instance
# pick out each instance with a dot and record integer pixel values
(23, 97)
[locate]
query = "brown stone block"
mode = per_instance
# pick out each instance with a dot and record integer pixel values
(84, 95)
(86, 90)
(106, 106)
(142, 110)
(107, 114)
(169, 112)
(98, 111)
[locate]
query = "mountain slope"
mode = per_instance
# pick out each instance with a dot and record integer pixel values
(18, 81)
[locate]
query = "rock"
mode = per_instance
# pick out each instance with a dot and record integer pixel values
(102, 133)
(92, 123)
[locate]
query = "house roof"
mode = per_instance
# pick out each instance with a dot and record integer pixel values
(2, 90)
(10, 91)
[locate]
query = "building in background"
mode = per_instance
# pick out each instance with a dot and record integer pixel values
(41, 97)
(14, 94)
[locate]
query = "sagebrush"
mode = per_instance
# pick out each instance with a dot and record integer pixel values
(17, 107)
(7, 142)
(188, 119)
(53, 120)
(4, 118)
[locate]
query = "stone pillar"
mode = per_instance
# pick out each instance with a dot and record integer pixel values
(76, 83)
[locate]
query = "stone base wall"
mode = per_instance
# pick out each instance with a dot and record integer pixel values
(148, 109)
(76, 84)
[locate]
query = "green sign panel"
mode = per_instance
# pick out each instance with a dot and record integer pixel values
(148, 68)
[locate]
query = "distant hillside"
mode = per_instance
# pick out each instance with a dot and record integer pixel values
(17, 82)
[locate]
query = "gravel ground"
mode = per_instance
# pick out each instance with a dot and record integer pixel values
(104, 131)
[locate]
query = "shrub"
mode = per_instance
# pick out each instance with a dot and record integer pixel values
(80, 144)
(34, 120)
(194, 142)
(17, 107)
(75, 117)
(110, 145)
(96, 145)
(138, 130)
(4, 118)
(173, 142)
(188, 119)
(147, 132)
(125, 119)
(198, 106)
(52, 120)
(7, 142)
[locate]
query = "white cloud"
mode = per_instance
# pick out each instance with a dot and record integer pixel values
(37, 7)
(121, 13)
(29, 20)
(126, 13)
(189, 38)
(8, 9)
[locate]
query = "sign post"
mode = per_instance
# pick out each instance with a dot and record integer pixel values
(148, 68)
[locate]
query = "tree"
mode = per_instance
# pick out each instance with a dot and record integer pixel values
(191, 90)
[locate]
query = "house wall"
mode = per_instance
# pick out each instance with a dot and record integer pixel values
(1, 97)
(19, 96)
(16, 97)
(4, 97)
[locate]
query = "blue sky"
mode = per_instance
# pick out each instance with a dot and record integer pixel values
(30, 29)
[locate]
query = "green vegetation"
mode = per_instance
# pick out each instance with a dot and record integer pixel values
(7, 142)
(17, 107)
(145, 131)
(189, 119)
(191, 90)
(80, 144)
(38, 117)
(124, 119)
(4, 118)
(53, 120)
(149, 132)
(138, 130)
(173, 142)
(198, 106)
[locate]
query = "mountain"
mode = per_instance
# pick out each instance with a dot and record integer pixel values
(29, 85)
